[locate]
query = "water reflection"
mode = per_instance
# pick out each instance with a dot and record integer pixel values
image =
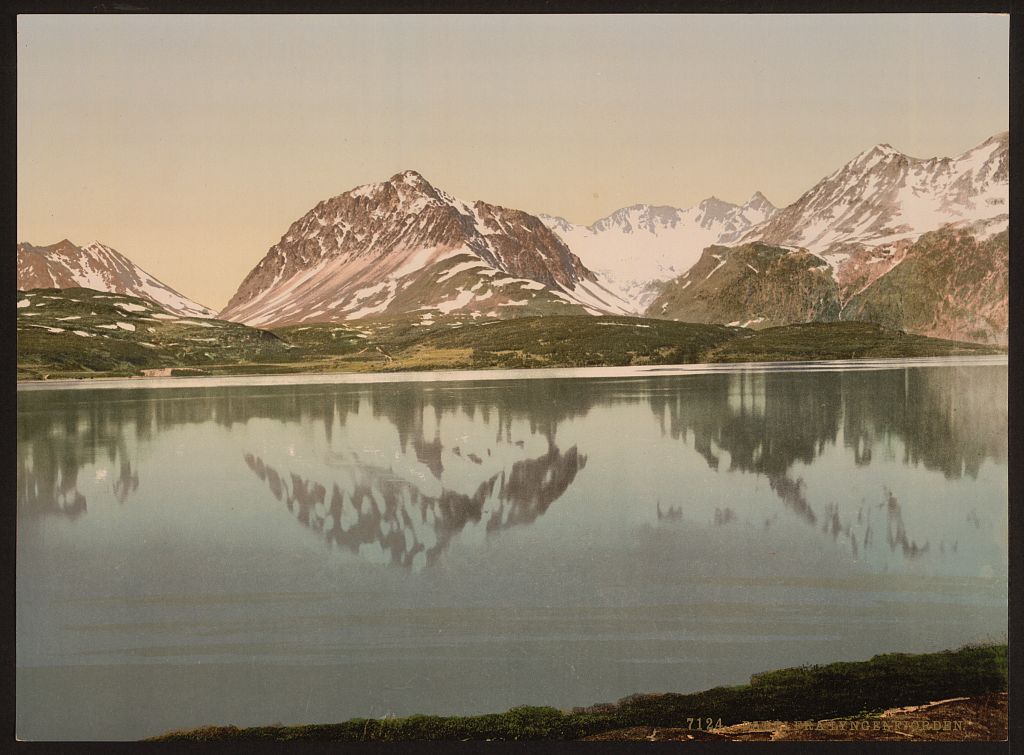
(371, 512)
(950, 421)
(509, 465)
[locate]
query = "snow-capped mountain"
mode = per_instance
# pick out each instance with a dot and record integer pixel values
(883, 196)
(97, 266)
(404, 246)
(636, 248)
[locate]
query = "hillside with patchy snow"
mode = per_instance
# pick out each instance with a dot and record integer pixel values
(97, 266)
(403, 246)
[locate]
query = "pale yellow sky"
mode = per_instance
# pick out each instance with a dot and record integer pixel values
(190, 143)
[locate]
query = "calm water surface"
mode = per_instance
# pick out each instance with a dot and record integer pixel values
(253, 554)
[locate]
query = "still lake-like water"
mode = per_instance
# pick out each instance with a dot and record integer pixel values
(265, 551)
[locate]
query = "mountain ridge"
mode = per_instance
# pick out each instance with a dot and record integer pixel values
(883, 195)
(404, 246)
(99, 267)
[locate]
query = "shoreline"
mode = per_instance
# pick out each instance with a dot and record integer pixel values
(535, 373)
(898, 694)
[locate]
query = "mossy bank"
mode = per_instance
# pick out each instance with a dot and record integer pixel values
(794, 694)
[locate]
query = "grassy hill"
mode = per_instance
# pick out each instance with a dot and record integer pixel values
(565, 341)
(79, 332)
(85, 333)
(836, 340)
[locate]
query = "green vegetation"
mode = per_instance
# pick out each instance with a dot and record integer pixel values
(78, 332)
(567, 341)
(794, 694)
(837, 340)
(755, 284)
(83, 333)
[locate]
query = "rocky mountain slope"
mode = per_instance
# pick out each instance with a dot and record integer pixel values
(97, 266)
(949, 284)
(404, 246)
(753, 285)
(636, 248)
(917, 245)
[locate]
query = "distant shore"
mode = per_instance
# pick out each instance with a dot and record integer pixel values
(536, 373)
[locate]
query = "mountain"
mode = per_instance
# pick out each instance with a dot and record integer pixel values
(636, 248)
(884, 196)
(97, 266)
(403, 246)
(753, 285)
(912, 244)
(949, 284)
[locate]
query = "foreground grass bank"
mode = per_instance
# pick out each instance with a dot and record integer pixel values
(794, 694)
(80, 333)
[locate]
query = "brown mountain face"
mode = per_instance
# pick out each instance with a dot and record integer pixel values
(948, 284)
(44, 266)
(754, 285)
(520, 244)
(403, 246)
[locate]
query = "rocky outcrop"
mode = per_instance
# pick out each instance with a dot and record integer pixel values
(949, 284)
(754, 285)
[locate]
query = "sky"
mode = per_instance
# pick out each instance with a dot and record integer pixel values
(191, 143)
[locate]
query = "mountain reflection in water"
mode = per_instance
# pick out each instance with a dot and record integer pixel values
(766, 423)
(511, 467)
(408, 525)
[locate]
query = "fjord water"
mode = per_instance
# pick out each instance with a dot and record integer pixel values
(255, 554)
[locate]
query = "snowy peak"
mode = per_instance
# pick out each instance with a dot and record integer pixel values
(758, 201)
(411, 178)
(757, 209)
(99, 267)
(556, 223)
(636, 248)
(403, 245)
(878, 152)
(988, 163)
(638, 217)
(882, 196)
(714, 210)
